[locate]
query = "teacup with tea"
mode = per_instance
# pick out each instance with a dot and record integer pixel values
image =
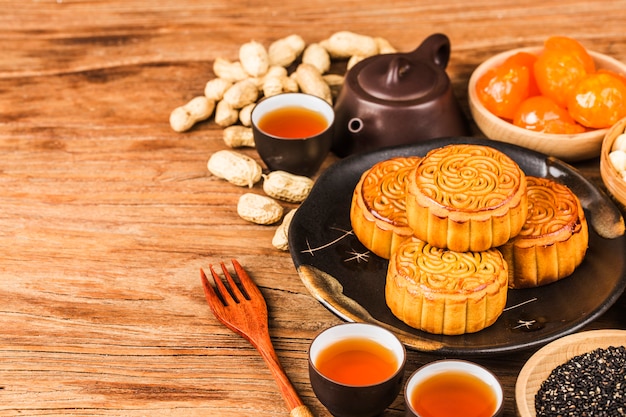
(453, 388)
(356, 369)
(293, 132)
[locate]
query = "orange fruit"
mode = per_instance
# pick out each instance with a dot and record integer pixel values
(502, 88)
(525, 59)
(617, 75)
(598, 100)
(571, 46)
(542, 114)
(557, 72)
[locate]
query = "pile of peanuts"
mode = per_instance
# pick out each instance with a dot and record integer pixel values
(241, 170)
(263, 72)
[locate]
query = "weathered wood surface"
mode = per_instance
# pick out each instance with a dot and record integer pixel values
(106, 214)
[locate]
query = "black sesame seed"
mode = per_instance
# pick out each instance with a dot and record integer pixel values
(591, 384)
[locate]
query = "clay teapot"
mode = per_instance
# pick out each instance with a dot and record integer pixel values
(398, 99)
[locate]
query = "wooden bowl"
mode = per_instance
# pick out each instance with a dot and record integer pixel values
(615, 184)
(541, 364)
(567, 147)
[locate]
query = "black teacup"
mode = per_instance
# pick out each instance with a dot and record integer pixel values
(341, 363)
(293, 132)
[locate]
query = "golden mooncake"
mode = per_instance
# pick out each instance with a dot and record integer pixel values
(466, 198)
(553, 240)
(445, 292)
(377, 212)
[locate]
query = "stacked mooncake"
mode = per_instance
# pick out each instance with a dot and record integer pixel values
(456, 226)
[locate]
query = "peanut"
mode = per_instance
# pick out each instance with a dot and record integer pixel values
(281, 236)
(354, 59)
(225, 115)
(310, 81)
(335, 82)
(245, 114)
(286, 186)
(276, 71)
(241, 94)
(316, 55)
(272, 86)
(197, 109)
(384, 46)
(344, 44)
(238, 136)
(272, 72)
(215, 88)
(234, 167)
(227, 70)
(285, 51)
(253, 58)
(259, 209)
(290, 84)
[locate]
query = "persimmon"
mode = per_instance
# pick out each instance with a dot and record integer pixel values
(557, 72)
(542, 114)
(617, 75)
(560, 90)
(525, 59)
(571, 46)
(598, 100)
(502, 88)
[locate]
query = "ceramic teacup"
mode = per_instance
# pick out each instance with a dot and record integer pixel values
(293, 132)
(356, 369)
(453, 388)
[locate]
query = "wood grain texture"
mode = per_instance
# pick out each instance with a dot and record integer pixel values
(106, 214)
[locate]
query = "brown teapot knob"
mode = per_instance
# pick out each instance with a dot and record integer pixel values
(435, 49)
(398, 68)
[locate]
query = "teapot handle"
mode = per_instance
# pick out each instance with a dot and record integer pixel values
(435, 48)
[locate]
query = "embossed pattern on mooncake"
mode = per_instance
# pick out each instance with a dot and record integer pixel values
(378, 210)
(554, 239)
(552, 208)
(466, 198)
(468, 178)
(448, 271)
(445, 292)
(384, 189)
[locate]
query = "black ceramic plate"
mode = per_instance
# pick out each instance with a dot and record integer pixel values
(349, 280)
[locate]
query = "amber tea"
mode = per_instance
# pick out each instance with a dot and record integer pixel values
(357, 361)
(293, 122)
(453, 394)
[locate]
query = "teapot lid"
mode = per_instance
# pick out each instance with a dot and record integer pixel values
(416, 75)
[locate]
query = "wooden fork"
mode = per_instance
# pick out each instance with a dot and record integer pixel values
(245, 313)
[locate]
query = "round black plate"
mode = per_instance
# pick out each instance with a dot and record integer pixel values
(349, 280)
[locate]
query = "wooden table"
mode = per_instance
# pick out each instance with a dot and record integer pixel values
(107, 214)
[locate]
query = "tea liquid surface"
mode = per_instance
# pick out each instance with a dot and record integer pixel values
(453, 394)
(357, 361)
(293, 122)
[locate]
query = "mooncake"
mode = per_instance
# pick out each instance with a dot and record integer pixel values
(466, 197)
(445, 292)
(554, 239)
(377, 211)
